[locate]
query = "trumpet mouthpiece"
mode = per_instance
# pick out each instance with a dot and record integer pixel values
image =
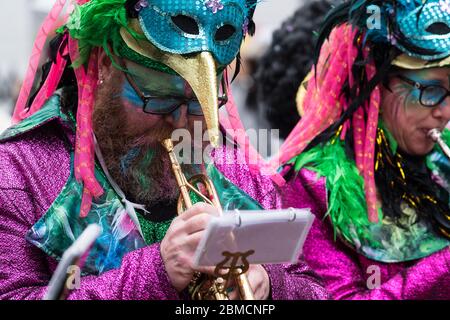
(434, 135)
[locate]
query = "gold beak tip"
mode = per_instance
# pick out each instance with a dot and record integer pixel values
(214, 139)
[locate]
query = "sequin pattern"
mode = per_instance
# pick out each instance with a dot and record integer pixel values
(416, 27)
(159, 27)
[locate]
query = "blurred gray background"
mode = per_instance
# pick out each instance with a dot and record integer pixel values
(21, 19)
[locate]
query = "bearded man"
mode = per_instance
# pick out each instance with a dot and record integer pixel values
(85, 148)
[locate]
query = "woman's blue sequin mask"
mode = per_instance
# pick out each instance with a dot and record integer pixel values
(427, 26)
(190, 26)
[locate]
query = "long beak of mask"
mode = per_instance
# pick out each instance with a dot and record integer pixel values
(199, 70)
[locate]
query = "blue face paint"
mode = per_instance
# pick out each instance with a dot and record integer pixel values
(176, 115)
(428, 93)
(129, 95)
(162, 93)
(426, 82)
(415, 92)
(410, 95)
(415, 96)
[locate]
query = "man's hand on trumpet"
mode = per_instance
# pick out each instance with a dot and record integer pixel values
(181, 242)
(179, 246)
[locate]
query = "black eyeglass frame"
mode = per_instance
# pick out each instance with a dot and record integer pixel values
(422, 89)
(223, 100)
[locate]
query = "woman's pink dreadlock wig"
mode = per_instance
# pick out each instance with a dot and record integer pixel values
(324, 104)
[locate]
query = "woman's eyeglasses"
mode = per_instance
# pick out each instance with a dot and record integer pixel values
(163, 105)
(430, 95)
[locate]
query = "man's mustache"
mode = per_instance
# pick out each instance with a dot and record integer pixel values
(153, 137)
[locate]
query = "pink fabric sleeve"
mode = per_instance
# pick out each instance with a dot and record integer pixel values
(142, 276)
(345, 273)
(295, 282)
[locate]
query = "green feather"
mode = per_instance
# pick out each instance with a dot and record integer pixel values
(346, 198)
(97, 23)
(446, 136)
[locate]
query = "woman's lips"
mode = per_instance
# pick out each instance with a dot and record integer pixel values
(426, 131)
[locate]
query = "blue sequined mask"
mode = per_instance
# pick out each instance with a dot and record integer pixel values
(190, 26)
(426, 26)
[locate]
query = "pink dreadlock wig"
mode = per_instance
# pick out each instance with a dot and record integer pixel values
(87, 81)
(324, 104)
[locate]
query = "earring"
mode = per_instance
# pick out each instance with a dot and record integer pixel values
(101, 80)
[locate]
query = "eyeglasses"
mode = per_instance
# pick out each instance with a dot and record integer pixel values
(430, 95)
(163, 105)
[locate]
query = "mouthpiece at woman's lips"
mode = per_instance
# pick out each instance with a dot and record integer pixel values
(434, 135)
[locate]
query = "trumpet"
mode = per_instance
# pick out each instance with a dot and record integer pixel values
(204, 287)
(442, 220)
(436, 136)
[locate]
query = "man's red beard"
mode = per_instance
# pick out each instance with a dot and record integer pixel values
(135, 159)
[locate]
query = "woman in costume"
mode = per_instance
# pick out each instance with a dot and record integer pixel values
(378, 89)
(85, 149)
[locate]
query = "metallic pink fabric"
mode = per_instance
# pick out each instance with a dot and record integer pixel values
(348, 275)
(34, 169)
